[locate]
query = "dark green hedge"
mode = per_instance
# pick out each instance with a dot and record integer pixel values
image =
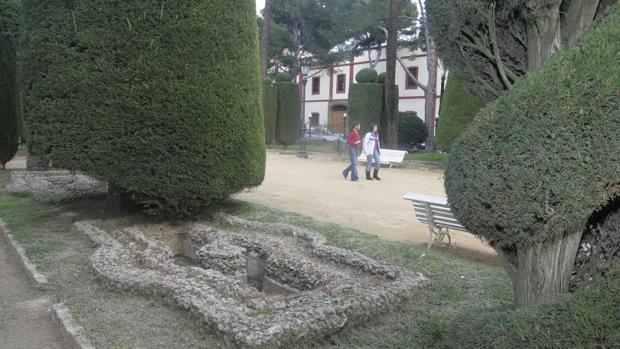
(270, 110)
(9, 117)
(411, 130)
(458, 109)
(365, 101)
(589, 318)
(160, 99)
(381, 78)
(9, 16)
(366, 76)
(282, 77)
(544, 157)
(289, 109)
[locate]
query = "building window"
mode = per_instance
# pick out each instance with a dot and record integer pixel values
(316, 85)
(314, 120)
(409, 84)
(341, 83)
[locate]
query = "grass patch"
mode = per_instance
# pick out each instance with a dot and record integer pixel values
(121, 320)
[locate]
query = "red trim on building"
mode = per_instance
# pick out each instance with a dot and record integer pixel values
(367, 62)
(351, 70)
(409, 85)
(331, 84)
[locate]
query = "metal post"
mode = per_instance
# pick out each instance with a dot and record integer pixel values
(302, 127)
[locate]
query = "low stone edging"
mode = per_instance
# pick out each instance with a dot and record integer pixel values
(35, 277)
(73, 334)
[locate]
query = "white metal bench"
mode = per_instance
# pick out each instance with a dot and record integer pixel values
(388, 157)
(434, 212)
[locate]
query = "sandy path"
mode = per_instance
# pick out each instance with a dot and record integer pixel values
(316, 188)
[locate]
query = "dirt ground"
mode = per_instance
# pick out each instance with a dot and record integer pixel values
(316, 187)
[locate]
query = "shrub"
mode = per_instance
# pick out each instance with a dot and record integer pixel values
(282, 77)
(162, 101)
(289, 109)
(381, 78)
(411, 130)
(270, 110)
(458, 109)
(366, 76)
(589, 318)
(542, 159)
(9, 16)
(365, 103)
(9, 118)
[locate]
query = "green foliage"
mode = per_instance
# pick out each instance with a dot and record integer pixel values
(9, 118)
(162, 100)
(589, 318)
(282, 77)
(289, 109)
(270, 110)
(411, 130)
(9, 16)
(365, 101)
(366, 75)
(381, 78)
(458, 109)
(542, 159)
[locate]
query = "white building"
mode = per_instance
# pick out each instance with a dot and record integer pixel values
(326, 94)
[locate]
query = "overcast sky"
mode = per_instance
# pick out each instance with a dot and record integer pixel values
(260, 4)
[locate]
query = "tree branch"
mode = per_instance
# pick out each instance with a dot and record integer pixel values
(411, 76)
(498, 58)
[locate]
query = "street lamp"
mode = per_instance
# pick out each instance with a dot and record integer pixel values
(302, 127)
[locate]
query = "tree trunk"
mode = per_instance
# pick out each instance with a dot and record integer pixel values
(541, 272)
(576, 18)
(390, 135)
(264, 40)
(544, 36)
(430, 98)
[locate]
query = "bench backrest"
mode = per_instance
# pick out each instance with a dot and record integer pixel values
(389, 156)
(433, 210)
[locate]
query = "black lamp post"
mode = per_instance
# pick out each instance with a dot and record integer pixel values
(302, 126)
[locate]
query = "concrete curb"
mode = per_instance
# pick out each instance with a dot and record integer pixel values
(31, 271)
(73, 334)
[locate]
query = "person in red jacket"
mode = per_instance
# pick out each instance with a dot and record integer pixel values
(355, 142)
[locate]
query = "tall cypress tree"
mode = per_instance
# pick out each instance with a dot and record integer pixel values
(9, 130)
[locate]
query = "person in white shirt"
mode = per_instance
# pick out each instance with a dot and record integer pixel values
(372, 149)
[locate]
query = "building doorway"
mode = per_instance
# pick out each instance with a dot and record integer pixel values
(338, 119)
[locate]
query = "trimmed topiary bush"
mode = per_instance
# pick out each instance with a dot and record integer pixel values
(381, 78)
(366, 76)
(365, 101)
(540, 161)
(458, 109)
(282, 77)
(289, 109)
(162, 100)
(9, 117)
(270, 110)
(589, 318)
(9, 16)
(411, 130)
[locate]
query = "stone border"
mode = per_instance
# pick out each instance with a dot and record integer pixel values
(31, 271)
(72, 333)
